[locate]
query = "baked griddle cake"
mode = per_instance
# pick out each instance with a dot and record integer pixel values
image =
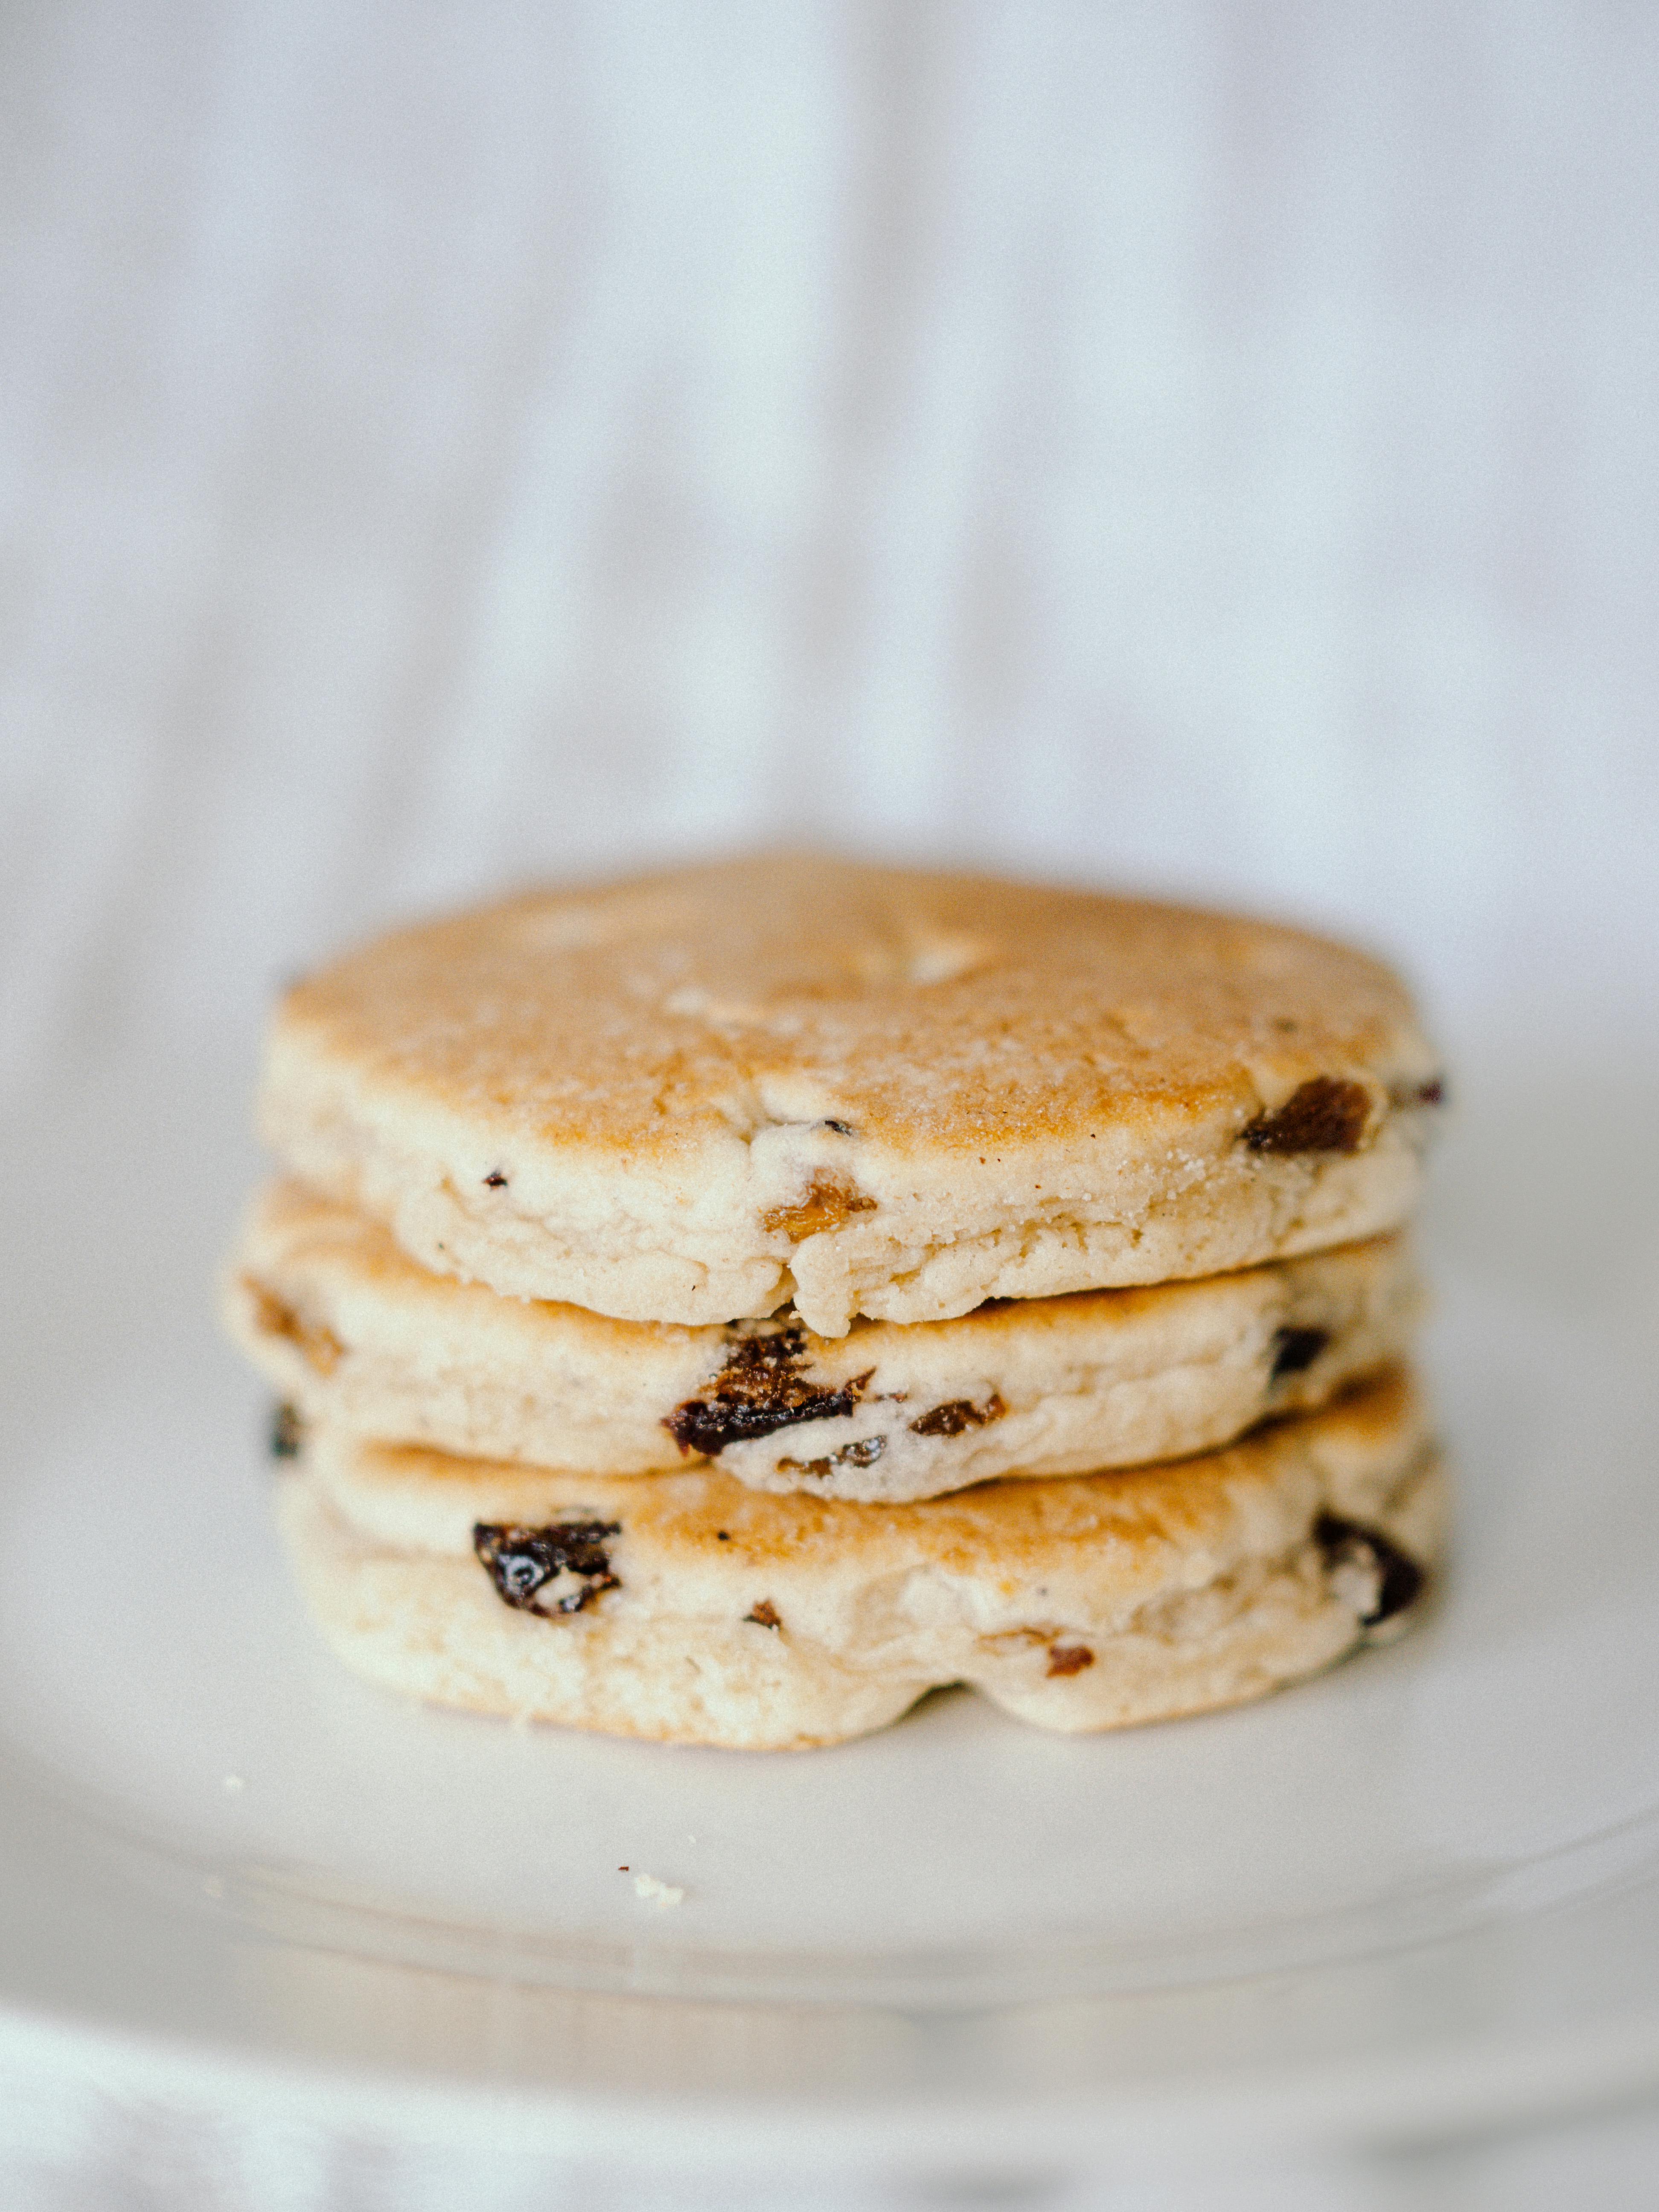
(702, 1095)
(351, 1331)
(692, 1608)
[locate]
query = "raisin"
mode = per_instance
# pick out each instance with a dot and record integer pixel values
(287, 1432)
(1431, 1093)
(1321, 1116)
(495, 1180)
(765, 1614)
(826, 1206)
(1400, 1579)
(959, 1414)
(559, 1568)
(1295, 1349)
(1069, 1658)
(759, 1389)
(865, 1452)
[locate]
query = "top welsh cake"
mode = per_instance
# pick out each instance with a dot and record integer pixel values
(699, 1095)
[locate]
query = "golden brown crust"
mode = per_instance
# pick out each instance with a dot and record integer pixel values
(939, 1011)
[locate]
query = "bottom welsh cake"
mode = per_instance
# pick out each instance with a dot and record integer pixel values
(691, 1608)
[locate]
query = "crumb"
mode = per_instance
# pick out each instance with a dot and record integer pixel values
(657, 1893)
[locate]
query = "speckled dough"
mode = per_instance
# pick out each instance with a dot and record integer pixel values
(692, 1608)
(695, 1096)
(346, 1326)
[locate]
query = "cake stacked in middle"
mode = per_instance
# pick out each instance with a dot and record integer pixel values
(608, 1211)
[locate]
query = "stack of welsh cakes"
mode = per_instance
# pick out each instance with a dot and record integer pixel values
(724, 1305)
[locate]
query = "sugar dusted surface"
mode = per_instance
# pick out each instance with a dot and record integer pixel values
(929, 1010)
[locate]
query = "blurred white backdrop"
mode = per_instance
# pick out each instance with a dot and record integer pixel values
(1209, 446)
(1205, 446)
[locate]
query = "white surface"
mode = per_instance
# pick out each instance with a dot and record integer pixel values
(1420, 1895)
(1206, 445)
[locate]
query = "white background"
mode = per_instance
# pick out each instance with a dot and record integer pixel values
(1205, 447)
